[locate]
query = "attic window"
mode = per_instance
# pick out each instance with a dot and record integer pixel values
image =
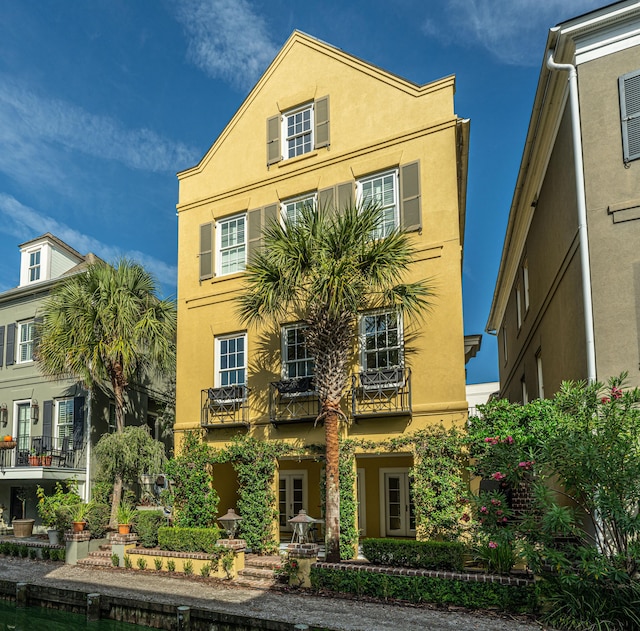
(297, 131)
(34, 266)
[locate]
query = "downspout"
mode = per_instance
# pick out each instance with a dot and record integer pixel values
(87, 484)
(582, 213)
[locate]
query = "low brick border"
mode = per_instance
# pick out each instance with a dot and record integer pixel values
(470, 577)
(202, 556)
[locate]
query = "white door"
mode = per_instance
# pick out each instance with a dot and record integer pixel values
(400, 518)
(292, 496)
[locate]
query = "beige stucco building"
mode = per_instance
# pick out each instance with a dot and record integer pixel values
(567, 298)
(323, 127)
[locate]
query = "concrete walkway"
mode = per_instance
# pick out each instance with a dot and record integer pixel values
(335, 614)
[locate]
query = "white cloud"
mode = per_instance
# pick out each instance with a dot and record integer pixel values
(514, 31)
(23, 223)
(31, 125)
(227, 39)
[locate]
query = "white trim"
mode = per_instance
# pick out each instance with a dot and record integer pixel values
(383, 472)
(218, 236)
(303, 474)
(539, 374)
(284, 149)
(16, 421)
(20, 343)
(525, 284)
(284, 347)
(312, 197)
(519, 305)
(395, 173)
(217, 340)
(362, 336)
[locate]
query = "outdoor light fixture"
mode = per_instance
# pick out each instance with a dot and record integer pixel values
(230, 522)
(35, 410)
(4, 415)
(301, 525)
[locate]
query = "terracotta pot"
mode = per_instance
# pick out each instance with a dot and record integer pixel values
(45, 461)
(124, 529)
(34, 461)
(77, 526)
(22, 527)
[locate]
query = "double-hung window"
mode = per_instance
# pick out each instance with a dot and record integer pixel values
(25, 344)
(232, 245)
(382, 341)
(297, 131)
(292, 208)
(231, 352)
(296, 359)
(382, 190)
(64, 419)
(34, 266)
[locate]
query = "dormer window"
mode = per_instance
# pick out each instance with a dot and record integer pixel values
(34, 266)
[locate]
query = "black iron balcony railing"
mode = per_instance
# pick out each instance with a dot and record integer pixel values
(293, 401)
(224, 407)
(45, 451)
(381, 392)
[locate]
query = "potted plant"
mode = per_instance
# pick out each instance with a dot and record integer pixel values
(125, 515)
(54, 510)
(34, 459)
(22, 527)
(78, 514)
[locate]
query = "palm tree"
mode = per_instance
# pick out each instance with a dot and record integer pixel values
(106, 324)
(325, 268)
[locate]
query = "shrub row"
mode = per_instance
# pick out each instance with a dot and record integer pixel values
(9, 548)
(188, 539)
(148, 522)
(428, 555)
(418, 589)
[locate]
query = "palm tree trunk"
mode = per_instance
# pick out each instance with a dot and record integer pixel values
(332, 494)
(118, 392)
(115, 501)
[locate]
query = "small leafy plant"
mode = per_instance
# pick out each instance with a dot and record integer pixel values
(127, 562)
(158, 564)
(141, 563)
(187, 567)
(205, 570)
(115, 560)
(171, 565)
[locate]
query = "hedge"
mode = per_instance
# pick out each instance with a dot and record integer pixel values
(147, 524)
(439, 591)
(188, 539)
(428, 555)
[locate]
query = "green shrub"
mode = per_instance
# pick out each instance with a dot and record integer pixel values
(427, 589)
(205, 570)
(46, 554)
(23, 551)
(158, 564)
(147, 525)
(57, 554)
(97, 519)
(171, 565)
(141, 563)
(127, 562)
(115, 560)
(428, 555)
(4, 547)
(33, 553)
(187, 567)
(189, 539)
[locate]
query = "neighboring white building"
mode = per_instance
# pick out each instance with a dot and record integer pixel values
(479, 393)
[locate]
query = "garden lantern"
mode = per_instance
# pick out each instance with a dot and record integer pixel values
(301, 525)
(230, 522)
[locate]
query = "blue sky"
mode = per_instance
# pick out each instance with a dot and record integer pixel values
(103, 101)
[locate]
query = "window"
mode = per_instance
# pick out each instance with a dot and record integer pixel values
(381, 341)
(231, 360)
(525, 392)
(539, 374)
(629, 85)
(382, 190)
(232, 245)
(25, 345)
(34, 266)
(504, 344)
(296, 359)
(291, 208)
(297, 131)
(64, 419)
(111, 421)
(525, 284)
(519, 305)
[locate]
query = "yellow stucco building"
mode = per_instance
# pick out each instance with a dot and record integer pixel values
(322, 126)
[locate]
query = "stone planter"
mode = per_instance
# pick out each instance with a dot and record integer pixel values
(54, 536)
(22, 527)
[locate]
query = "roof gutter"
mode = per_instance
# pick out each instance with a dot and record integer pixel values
(582, 213)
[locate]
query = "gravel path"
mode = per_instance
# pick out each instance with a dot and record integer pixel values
(335, 613)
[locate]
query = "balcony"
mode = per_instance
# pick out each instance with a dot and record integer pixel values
(224, 407)
(293, 401)
(43, 453)
(384, 392)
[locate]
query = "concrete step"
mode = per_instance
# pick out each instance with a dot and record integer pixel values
(255, 583)
(95, 561)
(254, 560)
(260, 573)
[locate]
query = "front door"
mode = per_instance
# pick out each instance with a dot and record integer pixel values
(24, 433)
(400, 518)
(292, 496)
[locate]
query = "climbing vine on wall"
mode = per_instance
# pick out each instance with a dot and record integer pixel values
(438, 482)
(348, 501)
(255, 463)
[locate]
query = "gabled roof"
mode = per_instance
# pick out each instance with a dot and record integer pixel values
(47, 236)
(300, 38)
